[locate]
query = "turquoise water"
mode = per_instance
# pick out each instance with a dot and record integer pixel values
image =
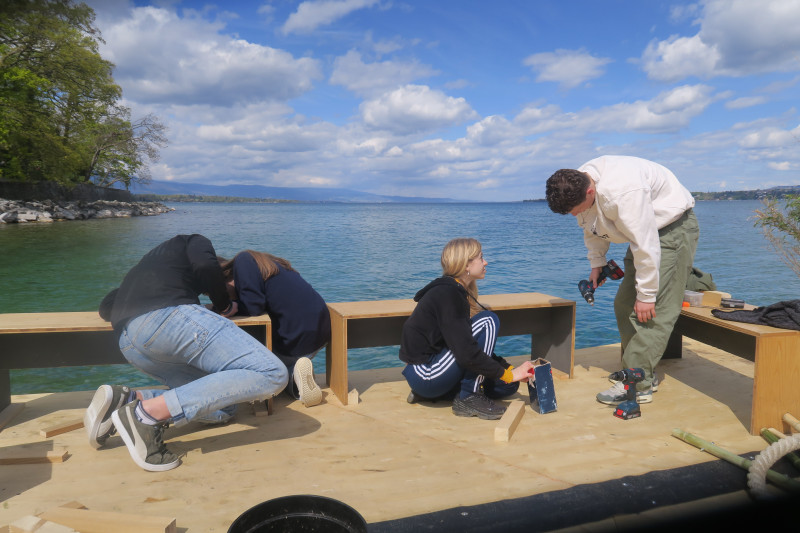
(361, 252)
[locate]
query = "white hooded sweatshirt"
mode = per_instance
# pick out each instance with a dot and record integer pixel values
(635, 198)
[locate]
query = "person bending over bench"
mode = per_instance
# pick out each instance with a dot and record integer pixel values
(207, 362)
(448, 341)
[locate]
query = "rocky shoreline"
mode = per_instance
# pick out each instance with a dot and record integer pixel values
(13, 211)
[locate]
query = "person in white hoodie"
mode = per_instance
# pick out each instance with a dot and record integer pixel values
(628, 199)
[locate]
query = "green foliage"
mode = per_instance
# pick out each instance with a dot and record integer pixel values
(60, 118)
(781, 227)
(757, 194)
(193, 198)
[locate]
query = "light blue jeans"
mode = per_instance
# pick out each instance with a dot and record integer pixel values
(207, 361)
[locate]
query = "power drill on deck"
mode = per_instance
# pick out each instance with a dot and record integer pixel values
(630, 407)
(611, 271)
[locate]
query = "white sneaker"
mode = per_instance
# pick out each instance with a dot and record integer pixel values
(303, 374)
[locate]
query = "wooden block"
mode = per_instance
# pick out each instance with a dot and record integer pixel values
(352, 397)
(23, 457)
(63, 427)
(26, 524)
(508, 424)
(713, 298)
(102, 522)
(8, 414)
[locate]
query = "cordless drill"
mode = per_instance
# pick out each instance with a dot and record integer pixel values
(611, 271)
(630, 407)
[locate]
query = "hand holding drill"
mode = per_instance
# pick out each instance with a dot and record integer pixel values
(611, 271)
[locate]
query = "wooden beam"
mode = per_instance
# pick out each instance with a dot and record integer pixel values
(508, 424)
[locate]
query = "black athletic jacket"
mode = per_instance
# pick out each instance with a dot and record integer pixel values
(441, 319)
(176, 272)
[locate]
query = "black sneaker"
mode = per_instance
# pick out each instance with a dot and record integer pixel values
(477, 405)
(145, 442)
(97, 418)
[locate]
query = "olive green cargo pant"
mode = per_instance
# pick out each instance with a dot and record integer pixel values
(643, 344)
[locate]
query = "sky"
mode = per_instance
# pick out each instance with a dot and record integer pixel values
(463, 99)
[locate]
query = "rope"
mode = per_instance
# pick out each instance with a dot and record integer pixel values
(757, 473)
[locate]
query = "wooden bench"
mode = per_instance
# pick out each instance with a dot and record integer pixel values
(549, 320)
(775, 352)
(48, 340)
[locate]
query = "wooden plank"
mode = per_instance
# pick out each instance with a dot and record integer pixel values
(336, 357)
(87, 521)
(508, 424)
(27, 457)
(80, 321)
(63, 427)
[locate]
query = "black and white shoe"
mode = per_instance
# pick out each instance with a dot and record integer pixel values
(145, 442)
(477, 405)
(97, 418)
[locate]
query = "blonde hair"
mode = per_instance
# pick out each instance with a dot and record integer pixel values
(267, 264)
(455, 257)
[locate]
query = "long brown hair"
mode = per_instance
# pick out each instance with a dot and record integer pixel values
(267, 264)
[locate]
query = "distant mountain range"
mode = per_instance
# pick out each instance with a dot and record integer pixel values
(297, 194)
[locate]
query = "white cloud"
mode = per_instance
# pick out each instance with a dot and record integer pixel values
(746, 101)
(415, 109)
(370, 79)
(312, 14)
(771, 138)
(782, 165)
(568, 68)
(736, 38)
(163, 58)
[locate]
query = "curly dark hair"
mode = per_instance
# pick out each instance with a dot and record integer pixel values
(566, 188)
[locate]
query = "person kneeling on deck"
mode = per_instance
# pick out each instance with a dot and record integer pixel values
(448, 339)
(627, 199)
(301, 323)
(208, 363)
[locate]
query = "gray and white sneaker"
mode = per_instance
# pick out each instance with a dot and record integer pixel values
(303, 375)
(617, 394)
(97, 418)
(653, 385)
(145, 442)
(478, 404)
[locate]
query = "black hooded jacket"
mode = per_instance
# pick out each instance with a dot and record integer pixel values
(441, 319)
(176, 272)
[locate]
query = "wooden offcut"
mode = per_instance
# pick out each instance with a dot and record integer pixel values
(508, 424)
(87, 521)
(63, 427)
(25, 457)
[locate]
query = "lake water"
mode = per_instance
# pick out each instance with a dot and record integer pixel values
(362, 252)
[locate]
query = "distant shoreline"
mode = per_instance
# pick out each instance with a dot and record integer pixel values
(773, 193)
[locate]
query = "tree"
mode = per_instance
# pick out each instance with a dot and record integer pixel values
(121, 149)
(59, 113)
(781, 227)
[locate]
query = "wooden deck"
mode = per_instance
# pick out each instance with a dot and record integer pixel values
(391, 460)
